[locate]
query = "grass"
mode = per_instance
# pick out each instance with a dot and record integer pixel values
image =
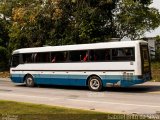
(26, 111)
(156, 71)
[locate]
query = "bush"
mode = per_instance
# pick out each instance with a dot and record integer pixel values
(4, 59)
(158, 55)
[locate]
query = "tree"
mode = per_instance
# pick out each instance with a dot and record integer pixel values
(4, 58)
(4, 38)
(89, 20)
(157, 56)
(134, 17)
(57, 22)
(24, 29)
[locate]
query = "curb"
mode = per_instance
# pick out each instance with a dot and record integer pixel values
(5, 79)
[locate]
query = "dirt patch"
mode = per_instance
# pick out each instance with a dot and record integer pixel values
(4, 74)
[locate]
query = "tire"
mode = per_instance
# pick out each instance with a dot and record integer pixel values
(29, 81)
(95, 83)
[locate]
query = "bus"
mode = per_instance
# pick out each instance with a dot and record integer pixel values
(96, 65)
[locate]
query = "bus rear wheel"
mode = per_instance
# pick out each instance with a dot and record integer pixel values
(95, 83)
(29, 81)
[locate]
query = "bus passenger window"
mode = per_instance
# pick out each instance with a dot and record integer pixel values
(27, 58)
(85, 58)
(53, 59)
(65, 56)
(41, 57)
(59, 57)
(92, 56)
(123, 54)
(100, 55)
(107, 55)
(77, 56)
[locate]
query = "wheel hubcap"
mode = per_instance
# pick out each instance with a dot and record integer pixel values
(94, 83)
(29, 81)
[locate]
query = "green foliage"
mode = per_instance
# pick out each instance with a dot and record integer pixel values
(4, 39)
(57, 22)
(155, 71)
(3, 58)
(134, 18)
(157, 49)
(32, 23)
(158, 55)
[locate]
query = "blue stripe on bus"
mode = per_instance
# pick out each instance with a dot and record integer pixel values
(76, 80)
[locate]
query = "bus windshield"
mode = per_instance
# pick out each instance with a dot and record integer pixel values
(15, 60)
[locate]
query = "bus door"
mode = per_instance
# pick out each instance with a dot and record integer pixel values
(145, 62)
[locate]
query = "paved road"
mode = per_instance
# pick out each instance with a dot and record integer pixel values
(141, 99)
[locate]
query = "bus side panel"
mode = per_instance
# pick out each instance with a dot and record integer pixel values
(77, 73)
(59, 78)
(50, 78)
(77, 78)
(16, 77)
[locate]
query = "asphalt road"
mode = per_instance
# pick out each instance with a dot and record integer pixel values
(140, 99)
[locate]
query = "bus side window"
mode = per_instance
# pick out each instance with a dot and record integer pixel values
(27, 58)
(65, 56)
(107, 55)
(85, 58)
(100, 55)
(77, 56)
(123, 54)
(59, 56)
(92, 56)
(53, 59)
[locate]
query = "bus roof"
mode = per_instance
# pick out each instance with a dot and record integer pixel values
(102, 45)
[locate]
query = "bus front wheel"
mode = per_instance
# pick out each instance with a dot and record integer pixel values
(29, 81)
(95, 83)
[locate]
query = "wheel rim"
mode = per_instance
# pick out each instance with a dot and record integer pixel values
(94, 83)
(29, 81)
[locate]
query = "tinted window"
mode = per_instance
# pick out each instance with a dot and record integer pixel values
(123, 54)
(27, 58)
(145, 58)
(42, 57)
(100, 55)
(59, 57)
(79, 56)
(15, 60)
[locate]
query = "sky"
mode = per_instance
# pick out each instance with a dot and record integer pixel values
(154, 33)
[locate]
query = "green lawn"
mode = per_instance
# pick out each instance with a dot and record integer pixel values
(155, 66)
(24, 111)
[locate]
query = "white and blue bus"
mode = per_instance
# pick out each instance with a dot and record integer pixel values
(95, 65)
